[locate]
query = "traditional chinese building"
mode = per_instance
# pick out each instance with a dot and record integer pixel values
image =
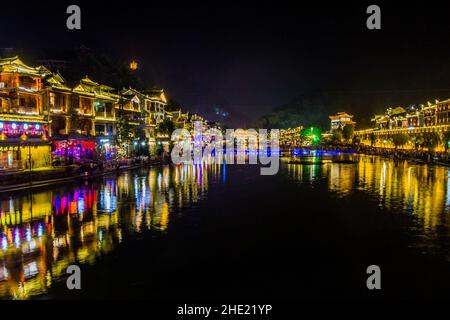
(430, 115)
(414, 116)
(443, 111)
(44, 121)
(414, 121)
(90, 123)
(291, 137)
(340, 120)
(158, 104)
(23, 125)
(57, 98)
(197, 118)
(135, 108)
(180, 119)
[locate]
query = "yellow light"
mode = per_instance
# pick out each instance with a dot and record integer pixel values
(133, 65)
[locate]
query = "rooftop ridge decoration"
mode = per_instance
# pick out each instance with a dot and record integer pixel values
(57, 81)
(89, 87)
(16, 65)
(156, 93)
(341, 114)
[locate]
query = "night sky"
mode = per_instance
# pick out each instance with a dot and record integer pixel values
(248, 57)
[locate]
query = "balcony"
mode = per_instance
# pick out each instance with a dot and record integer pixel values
(104, 116)
(58, 109)
(28, 88)
(27, 110)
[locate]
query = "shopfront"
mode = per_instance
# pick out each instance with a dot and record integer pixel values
(73, 150)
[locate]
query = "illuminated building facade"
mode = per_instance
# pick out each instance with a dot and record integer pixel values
(399, 117)
(24, 128)
(291, 137)
(57, 99)
(415, 121)
(340, 120)
(135, 107)
(43, 116)
(180, 119)
(194, 118)
(158, 104)
(96, 104)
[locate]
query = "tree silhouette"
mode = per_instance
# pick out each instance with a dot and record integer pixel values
(400, 139)
(166, 127)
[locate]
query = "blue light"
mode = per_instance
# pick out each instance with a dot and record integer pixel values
(17, 238)
(4, 244)
(28, 234)
(40, 231)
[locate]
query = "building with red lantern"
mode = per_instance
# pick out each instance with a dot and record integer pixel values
(44, 121)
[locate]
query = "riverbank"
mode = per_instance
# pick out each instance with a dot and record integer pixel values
(413, 156)
(26, 179)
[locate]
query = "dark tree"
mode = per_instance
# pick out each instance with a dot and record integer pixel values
(400, 139)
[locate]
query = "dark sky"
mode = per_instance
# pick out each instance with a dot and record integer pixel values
(251, 56)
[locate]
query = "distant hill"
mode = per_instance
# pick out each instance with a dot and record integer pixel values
(306, 109)
(314, 108)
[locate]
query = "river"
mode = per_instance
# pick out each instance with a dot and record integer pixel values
(221, 232)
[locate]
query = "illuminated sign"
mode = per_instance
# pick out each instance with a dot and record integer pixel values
(18, 129)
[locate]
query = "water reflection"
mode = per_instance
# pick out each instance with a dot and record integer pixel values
(421, 191)
(43, 232)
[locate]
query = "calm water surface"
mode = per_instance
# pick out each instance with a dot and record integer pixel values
(226, 232)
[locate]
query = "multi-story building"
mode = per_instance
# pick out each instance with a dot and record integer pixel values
(430, 115)
(291, 137)
(415, 121)
(24, 128)
(97, 104)
(391, 119)
(90, 116)
(44, 121)
(340, 120)
(158, 104)
(415, 116)
(197, 118)
(443, 112)
(134, 109)
(179, 118)
(397, 117)
(57, 98)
